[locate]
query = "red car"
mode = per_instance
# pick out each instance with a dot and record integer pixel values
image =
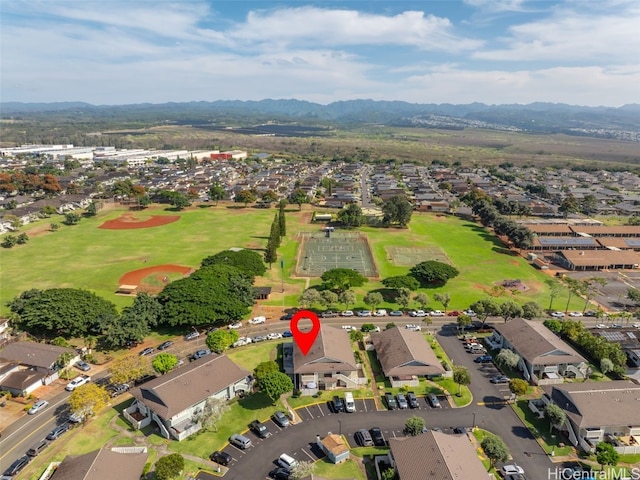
(455, 313)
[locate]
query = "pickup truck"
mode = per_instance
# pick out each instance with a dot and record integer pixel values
(76, 382)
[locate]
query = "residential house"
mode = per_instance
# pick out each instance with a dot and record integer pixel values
(599, 411)
(544, 357)
(330, 363)
(29, 365)
(123, 463)
(334, 447)
(404, 356)
(175, 400)
(436, 455)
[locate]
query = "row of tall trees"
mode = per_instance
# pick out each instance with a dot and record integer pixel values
(278, 230)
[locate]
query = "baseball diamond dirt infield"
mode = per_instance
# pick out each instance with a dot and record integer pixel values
(151, 279)
(128, 221)
(410, 256)
(319, 253)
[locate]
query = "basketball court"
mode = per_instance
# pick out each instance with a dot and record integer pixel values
(321, 251)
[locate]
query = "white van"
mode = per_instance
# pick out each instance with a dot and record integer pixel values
(287, 462)
(349, 403)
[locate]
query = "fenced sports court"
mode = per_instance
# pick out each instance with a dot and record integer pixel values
(320, 252)
(410, 256)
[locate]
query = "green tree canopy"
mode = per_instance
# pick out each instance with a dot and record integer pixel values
(531, 310)
(495, 449)
(245, 196)
(401, 281)
(461, 376)
(245, 260)
(351, 216)
(518, 386)
(510, 310)
(164, 362)
(555, 415)
(265, 368)
(432, 273)
(220, 340)
(127, 369)
(414, 426)
(217, 293)
(66, 312)
(217, 193)
(299, 197)
(341, 279)
(507, 358)
(275, 384)
(169, 467)
(397, 210)
(373, 299)
(606, 454)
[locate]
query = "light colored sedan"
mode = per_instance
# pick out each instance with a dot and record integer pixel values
(235, 326)
(575, 314)
(274, 336)
(557, 314)
(347, 313)
(36, 407)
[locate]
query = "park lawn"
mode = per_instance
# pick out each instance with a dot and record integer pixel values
(349, 469)
(235, 420)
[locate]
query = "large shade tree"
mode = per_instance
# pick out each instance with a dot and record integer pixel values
(433, 273)
(342, 279)
(247, 261)
(397, 210)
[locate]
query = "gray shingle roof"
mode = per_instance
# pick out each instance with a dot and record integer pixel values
(33, 354)
(537, 344)
(598, 404)
(404, 352)
(436, 456)
(104, 464)
(331, 352)
(184, 387)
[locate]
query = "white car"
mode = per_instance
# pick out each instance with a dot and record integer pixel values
(364, 313)
(437, 313)
(557, 314)
(512, 470)
(417, 313)
(36, 407)
(257, 320)
(413, 328)
(469, 313)
(380, 313)
(575, 314)
(349, 327)
(602, 325)
(347, 313)
(241, 342)
(235, 326)
(636, 325)
(274, 336)
(76, 382)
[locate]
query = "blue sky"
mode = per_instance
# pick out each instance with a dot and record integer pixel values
(584, 52)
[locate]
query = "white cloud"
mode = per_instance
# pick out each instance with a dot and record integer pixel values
(573, 34)
(497, 5)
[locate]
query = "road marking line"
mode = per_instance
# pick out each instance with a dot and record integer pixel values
(312, 417)
(364, 402)
(320, 410)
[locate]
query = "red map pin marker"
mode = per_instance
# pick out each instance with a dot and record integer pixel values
(305, 339)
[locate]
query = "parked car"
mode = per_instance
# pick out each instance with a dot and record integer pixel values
(274, 336)
(363, 438)
(470, 313)
(433, 400)
(287, 334)
(437, 313)
(347, 313)
(147, 351)
(396, 313)
(601, 325)
(575, 314)
(390, 401)
(82, 365)
(511, 470)
(417, 313)
(364, 313)
(380, 313)
(454, 313)
(377, 437)
(118, 389)
(257, 320)
(58, 431)
(280, 419)
(76, 418)
(221, 458)
(412, 400)
(280, 474)
(413, 327)
(351, 328)
(76, 382)
(38, 406)
(240, 441)
(499, 379)
(259, 338)
(143, 379)
(483, 359)
(165, 345)
(557, 314)
(192, 335)
(615, 325)
(636, 325)
(241, 342)
(338, 404)
(234, 326)
(201, 353)
(37, 448)
(402, 401)
(260, 429)
(287, 316)
(329, 314)
(287, 461)
(17, 466)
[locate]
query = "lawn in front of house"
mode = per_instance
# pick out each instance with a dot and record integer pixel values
(249, 356)
(540, 430)
(349, 469)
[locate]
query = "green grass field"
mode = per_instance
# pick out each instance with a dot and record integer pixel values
(84, 256)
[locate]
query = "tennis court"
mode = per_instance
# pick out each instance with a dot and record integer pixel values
(319, 253)
(410, 256)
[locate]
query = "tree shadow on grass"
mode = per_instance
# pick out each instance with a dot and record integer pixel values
(235, 207)
(388, 294)
(256, 401)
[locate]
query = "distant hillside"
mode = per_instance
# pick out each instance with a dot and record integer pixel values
(621, 122)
